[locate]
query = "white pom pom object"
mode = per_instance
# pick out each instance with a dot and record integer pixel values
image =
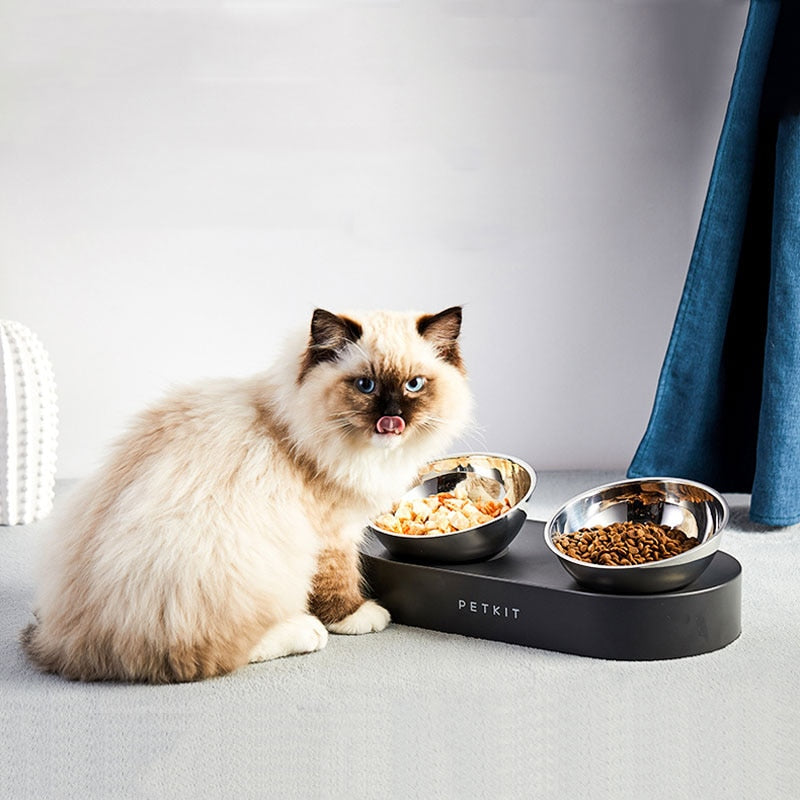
(28, 426)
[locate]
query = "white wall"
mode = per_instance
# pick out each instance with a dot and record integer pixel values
(182, 181)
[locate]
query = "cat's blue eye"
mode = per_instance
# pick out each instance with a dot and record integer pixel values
(365, 385)
(415, 384)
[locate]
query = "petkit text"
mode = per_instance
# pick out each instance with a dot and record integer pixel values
(489, 609)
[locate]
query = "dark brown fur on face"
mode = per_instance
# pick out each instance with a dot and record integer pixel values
(388, 399)
(330, 335)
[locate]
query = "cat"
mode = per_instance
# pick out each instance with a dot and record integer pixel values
(225, 527)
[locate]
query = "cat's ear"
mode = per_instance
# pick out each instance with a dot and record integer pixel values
(442, 331)
(330, 333)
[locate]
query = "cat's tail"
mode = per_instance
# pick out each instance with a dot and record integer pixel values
(32, 648)
(101, 659)
(84, 662)
(47, 657)
(26, 637)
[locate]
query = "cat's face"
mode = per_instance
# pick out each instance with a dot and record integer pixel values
(385, 379)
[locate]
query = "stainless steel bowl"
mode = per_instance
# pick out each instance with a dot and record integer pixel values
(516, 480)
(697, 510)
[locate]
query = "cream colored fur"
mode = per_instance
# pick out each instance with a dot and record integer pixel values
(193, 550)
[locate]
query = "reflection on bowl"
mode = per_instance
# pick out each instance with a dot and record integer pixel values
(697, 510)
(514, 479)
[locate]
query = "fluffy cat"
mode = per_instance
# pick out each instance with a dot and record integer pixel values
(225, 527)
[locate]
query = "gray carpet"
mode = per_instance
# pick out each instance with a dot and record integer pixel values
(415, 713)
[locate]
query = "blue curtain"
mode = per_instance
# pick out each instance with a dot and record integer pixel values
(727, 405)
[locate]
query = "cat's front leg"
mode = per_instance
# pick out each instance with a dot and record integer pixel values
(299, 634)
(369, 617)
(336, 596)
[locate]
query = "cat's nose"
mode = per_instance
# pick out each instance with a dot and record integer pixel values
(394, 425)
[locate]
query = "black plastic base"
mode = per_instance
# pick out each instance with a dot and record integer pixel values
(526, 597)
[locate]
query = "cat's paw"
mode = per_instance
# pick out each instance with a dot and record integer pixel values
(369, 617)
(301, 634)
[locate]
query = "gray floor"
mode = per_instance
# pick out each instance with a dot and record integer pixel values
(414, 713)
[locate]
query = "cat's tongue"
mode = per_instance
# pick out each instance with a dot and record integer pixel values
(394, 425)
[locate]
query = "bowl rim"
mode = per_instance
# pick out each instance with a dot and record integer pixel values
(439, 536)
(663, 562)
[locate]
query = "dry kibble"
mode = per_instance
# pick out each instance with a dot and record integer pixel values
(624, 543)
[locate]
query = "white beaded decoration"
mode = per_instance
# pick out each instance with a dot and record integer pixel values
(28, 426)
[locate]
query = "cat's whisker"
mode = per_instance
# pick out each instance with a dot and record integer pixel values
(332, 427)
(358, 348)
(475, 440)
(345, 415)
(431, 422)
(325, 426)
